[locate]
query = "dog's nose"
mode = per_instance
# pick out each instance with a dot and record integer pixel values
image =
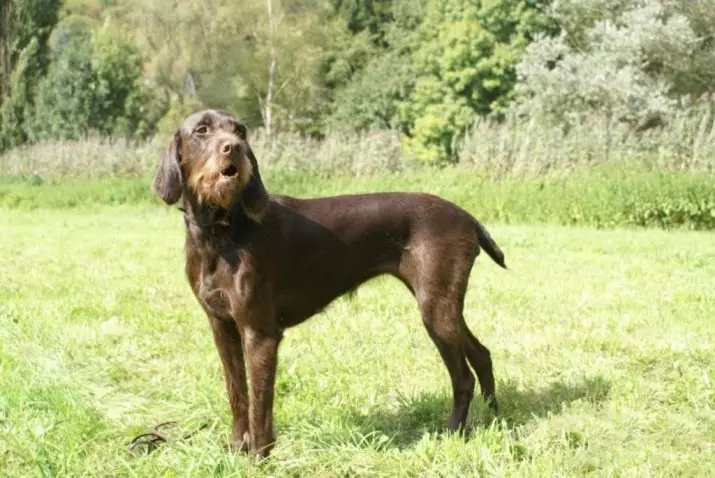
(229, 147)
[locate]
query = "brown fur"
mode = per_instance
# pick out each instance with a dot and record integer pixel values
(259, 264)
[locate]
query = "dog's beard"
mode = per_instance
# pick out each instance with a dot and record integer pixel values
(217, 190)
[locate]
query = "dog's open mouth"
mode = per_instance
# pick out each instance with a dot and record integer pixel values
(229, 171)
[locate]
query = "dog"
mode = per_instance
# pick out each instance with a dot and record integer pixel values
(259, 264)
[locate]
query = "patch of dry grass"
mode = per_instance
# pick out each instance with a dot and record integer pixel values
(523, 148)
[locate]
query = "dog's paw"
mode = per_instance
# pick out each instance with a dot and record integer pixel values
(493, 405)
(241, 444)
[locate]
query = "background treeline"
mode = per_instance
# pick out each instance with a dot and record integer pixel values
(425, 68)
(505, 88)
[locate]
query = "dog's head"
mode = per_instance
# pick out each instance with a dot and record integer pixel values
(209, 158)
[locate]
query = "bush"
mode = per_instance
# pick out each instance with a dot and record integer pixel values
(533, 147)
(371, 99)
(64, 105)
(373, 73)
(93, 85)
(624, 59)
(25, 28)
(464, 58)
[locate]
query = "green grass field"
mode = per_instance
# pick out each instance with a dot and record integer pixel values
(602, 342)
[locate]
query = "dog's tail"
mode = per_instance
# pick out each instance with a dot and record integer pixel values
(490, 247)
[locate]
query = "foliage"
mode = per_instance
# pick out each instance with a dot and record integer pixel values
(619, 58)
(94, 85)
(22, 22)
(285, 47)
(371, 99)
(25, 28)
(16, 105)
(695, 75)
(437, 72)
(64, 104)
(366, 15)
(123, 103)
(260, 59)
(464, 57)
(376, 77)
(510, 148)
(533, 147)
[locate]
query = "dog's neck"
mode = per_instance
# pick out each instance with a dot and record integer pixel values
(207, 223)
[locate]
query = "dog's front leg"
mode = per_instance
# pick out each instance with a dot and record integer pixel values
(261, 345)
(228, 343)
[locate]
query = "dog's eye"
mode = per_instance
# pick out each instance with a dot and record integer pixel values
(241, 130)
(203, 129)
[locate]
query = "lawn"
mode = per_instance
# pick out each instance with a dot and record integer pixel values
(602, 342)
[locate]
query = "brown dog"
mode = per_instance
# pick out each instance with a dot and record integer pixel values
(259, 264)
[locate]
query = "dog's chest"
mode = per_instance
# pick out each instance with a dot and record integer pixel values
(213, 287)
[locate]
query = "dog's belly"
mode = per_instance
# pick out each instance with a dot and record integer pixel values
(295, 314)
(304, 302)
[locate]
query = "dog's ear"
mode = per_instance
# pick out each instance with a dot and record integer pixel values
(167, 181)
(254, 197)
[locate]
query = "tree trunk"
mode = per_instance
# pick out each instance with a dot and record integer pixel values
(269, 97)
(273, 64)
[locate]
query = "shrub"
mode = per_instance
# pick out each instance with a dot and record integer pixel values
(373, 73)
(93, 85)
(620, 58)
(464, 58)
(25, 28)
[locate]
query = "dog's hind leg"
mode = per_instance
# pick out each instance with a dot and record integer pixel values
(481, 361)
(441, 318)
(438, 278)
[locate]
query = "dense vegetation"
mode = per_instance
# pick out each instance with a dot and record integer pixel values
(517, 94)
(425, 68)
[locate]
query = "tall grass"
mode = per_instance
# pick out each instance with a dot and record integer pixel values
(532, 148)
(519, 147)
(95, 156)
(603, 197)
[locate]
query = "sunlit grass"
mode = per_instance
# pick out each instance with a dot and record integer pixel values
(602, 343)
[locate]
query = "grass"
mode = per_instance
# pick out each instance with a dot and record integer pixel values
(522, 148)
(603, 196)
(602, 343)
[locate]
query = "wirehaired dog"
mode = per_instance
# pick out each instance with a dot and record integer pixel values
(260, 263)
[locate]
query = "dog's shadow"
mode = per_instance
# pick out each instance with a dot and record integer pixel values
(428, 413)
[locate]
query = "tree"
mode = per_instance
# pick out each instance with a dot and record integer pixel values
(366, 15)
(5, 65)
(25, 28)
(285, 44)
(64, 104)
(123, 103)
(626, 59)
(696, 73)
(261, 59)
(371, 99)
(94, 84)
(370, 79)
(464, 57)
